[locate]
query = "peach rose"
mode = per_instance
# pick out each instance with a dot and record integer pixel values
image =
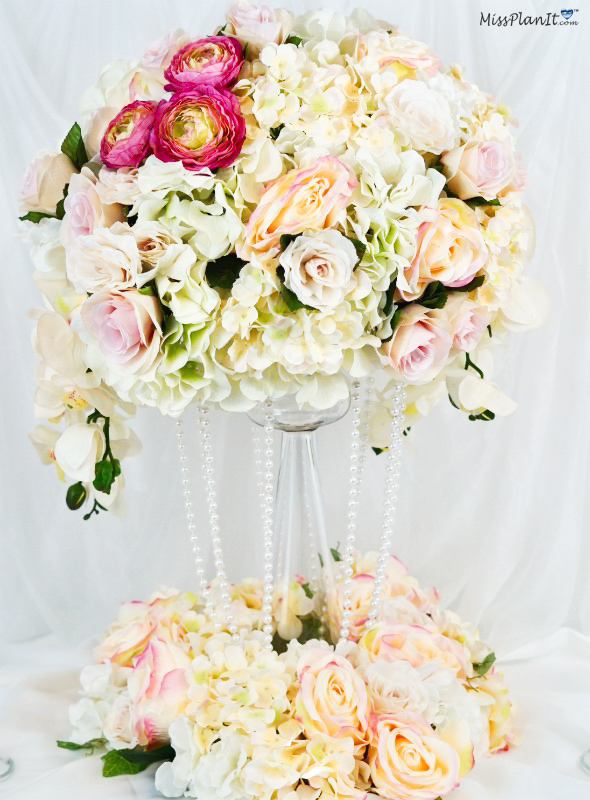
(450, 248)
(158, 690)
(129, 637)
(44, 182)
(480, 169)
(392, 50)
(310, 198)
(416, 645)
(468, 321)
(127, 327)
(420, 344)
(408, 760)
(332, 698)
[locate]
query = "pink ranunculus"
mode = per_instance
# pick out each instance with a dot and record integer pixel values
(213, 61)
(85, 209)
(126, 141)
(480, 169)
(127, 327)
(332, 699)
(308, 198)
(450, 248)
(408, 760)
(417, 645)
(420, 344)
(158, 690)
(203, 127)
(159, 53)
(468, 321)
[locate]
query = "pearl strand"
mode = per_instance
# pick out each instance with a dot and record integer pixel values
(391, 497)
(222, 613)
(268, 524)
(356, 466)
(190, 515)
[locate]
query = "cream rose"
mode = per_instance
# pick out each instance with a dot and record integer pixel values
(84, 208)
(258, 25)
(421, 116)
(123, 644)
(416, 645)
(319, 268)
(106, 259)
(310, 198)
(408, 760)
(394, 50)
(420, 345)
(44, 182)
(127, 328)
(480, 169)
(450, 248)
(332, 697)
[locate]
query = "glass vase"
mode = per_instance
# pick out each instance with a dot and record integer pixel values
(303, 563)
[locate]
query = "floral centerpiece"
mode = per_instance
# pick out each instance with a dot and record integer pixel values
(402, 711)
(266, 211)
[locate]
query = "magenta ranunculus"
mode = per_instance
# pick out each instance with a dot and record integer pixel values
(214, 61)
(126, 141)
(202, 127)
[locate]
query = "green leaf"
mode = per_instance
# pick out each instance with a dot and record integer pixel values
(473, 284)
(60, 209)
(311, 629)
(75, 496)
(336, 553)
(435, 296)
(378, 450)
(130, 762)
(307, 589)
(103, 476)
(293, 39)
(389, 297)
(91, 745)
(397, 314)
(223, 272)
(73, 146)
(484, 666)
(359, 246)
(149, 290)
(292, 302)
(473, 202)
(36, 216)
(274, 132)
(116, 467)
(485, 416)
(286, 240)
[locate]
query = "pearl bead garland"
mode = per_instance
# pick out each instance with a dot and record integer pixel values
(267, 496)
(391, 497)
(222, 611)
(190, 516)
(358, 450)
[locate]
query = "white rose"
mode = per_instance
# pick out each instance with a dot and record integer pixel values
(257, 25)
(78, 449)
(118, 185)
(422, 116)
(44, 182)
(106, 259)
(319, 268)
(118, 724)
(396, 686)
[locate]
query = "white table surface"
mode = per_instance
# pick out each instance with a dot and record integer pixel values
(549, 679)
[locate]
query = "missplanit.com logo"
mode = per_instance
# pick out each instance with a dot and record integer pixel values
(548, 20)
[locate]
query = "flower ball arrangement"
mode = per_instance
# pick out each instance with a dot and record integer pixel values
(266, 211)
(402, 710)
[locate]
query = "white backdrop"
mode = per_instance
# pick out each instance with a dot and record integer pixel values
(496, 514)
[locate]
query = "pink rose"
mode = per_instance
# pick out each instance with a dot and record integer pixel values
(480, 169)
(468, 321)
(393, 49)
(450, 248)
(159, 52)
(258, 25)
(309, 198)
(126, 325)
(84, 208)
(44, 182)
(202, 127)
(420, 344)
(124, 643)
(158, 690)
(214, 61)
(408, 760)
(416, 645)
(126, 141)
(332, 699)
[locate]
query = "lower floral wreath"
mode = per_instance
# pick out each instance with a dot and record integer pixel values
(402, 710)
